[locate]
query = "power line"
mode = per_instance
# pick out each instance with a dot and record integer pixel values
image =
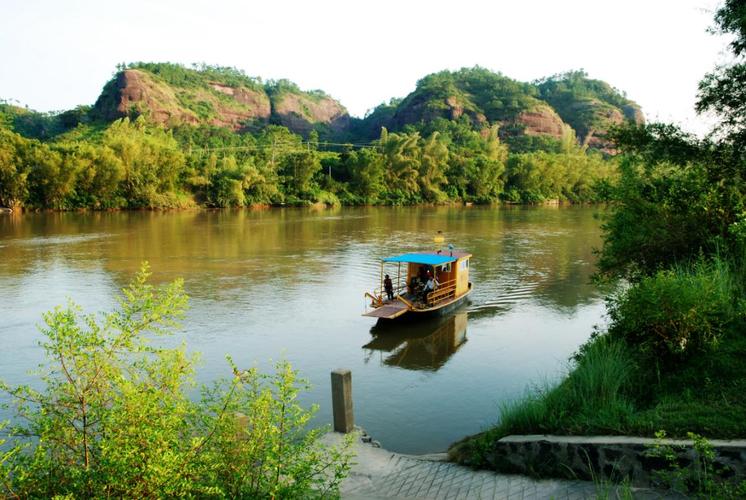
(282, 146)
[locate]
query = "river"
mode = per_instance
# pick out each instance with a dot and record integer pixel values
(289, 283)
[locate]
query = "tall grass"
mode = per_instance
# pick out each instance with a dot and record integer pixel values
(683, 310)
(593, 397)
(672, 359)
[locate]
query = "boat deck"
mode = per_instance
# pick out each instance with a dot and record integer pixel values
(390, 310)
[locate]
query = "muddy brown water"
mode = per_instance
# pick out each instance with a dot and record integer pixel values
(289, 283)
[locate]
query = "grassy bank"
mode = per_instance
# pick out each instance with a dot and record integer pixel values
(672, 359)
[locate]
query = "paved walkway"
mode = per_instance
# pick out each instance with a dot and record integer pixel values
(380, 474)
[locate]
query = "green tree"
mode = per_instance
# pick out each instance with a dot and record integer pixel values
(723, 91)
(299, 169)
(112, 417)
(227, 184)
(153, 163)
(14, 169)
(368, 174)
(433, 164)
(101, 177)
(401, 154)
(51, 178)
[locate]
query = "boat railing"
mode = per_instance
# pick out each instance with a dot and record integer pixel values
(378, 297)
(446, 290)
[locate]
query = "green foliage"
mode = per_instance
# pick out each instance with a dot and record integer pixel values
(14, 169)
(112, 417)
(199, 75)
(702, 478)
(51, 178)
(401, 156)
(98, 174)
(495, 95)
(131, 163)
(584, 103)
(152, 161)
(368, 174)
(652, 225)
(227, 184)
(670, 206)
(540, 176)
(722, 91)
(299, 170)
(6, 458)
(267, 451)
(42, 126)
(593, 398)
(433, 164)
(674, 314)
(481, 98)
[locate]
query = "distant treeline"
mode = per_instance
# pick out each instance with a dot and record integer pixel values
(131, 164)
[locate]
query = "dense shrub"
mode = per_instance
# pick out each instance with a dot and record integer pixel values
(112, 417)
(134, 164)
(592, 397)
(675, 313)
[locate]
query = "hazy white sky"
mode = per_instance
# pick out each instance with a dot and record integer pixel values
(56, 54)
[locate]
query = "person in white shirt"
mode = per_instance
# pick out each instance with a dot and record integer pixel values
(431, 285)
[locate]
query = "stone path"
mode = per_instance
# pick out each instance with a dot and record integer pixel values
(380, 474)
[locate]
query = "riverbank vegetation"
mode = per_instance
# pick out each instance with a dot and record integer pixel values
(163, 135)
(112, 416)
(675, 242)
(133, 164)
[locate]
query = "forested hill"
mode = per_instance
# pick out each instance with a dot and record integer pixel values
(531, 116)
(172, 95)
(162, 135)
(538, 116)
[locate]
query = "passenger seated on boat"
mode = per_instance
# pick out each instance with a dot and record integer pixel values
(431, 285)
(422, 274)
(415, 285)
(389, 287)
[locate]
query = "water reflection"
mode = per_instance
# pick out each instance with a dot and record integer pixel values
(288, 283)
(519, 253)
(417, 345)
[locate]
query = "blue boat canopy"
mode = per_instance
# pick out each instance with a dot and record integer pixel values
(431, 259)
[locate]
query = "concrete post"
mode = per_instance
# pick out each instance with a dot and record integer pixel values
(344, 420)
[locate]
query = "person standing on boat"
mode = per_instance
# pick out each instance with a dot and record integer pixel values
(389, 287)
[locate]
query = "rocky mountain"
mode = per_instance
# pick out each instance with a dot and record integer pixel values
(589, 106)
(548, 109)
(171, 95)
(540, 115)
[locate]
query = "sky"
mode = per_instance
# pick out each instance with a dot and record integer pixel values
(57, 54)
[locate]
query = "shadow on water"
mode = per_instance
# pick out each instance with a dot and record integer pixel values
(417, 345)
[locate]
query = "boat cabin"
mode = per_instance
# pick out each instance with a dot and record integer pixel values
(421, 282)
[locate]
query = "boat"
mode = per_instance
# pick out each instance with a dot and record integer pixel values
(450, 268)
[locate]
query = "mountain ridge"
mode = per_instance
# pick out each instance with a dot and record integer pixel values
(538, 115)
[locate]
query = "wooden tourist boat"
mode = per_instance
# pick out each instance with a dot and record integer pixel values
(450, 268)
